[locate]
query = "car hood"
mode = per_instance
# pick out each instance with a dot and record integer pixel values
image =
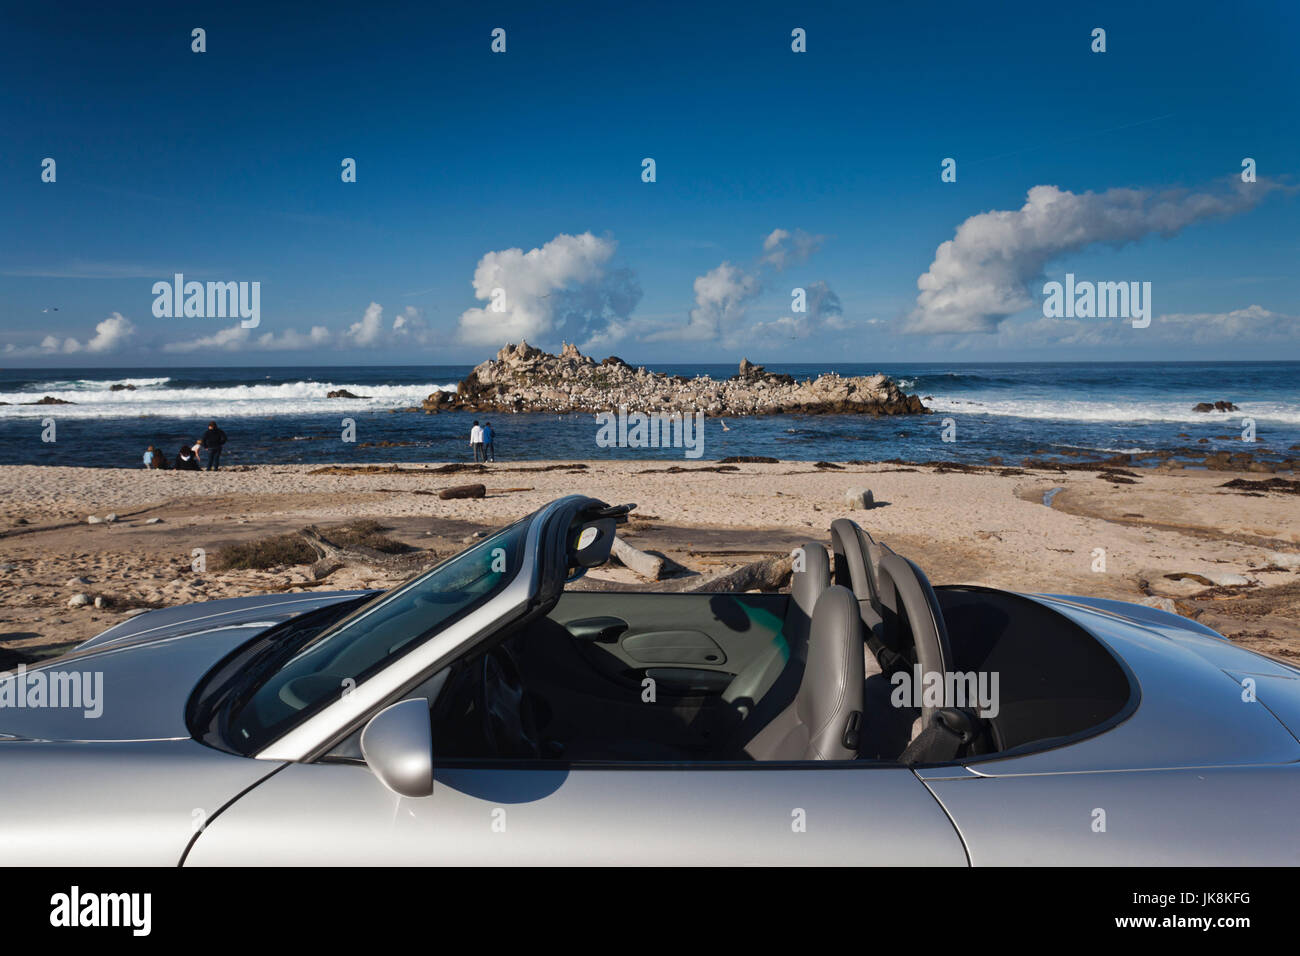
(132, 682)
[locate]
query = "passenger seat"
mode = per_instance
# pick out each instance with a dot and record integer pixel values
(769, 684)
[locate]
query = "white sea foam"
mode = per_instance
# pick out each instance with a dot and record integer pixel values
(1287, 413)
(151, 398)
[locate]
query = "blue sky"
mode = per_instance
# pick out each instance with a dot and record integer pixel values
(775, 170)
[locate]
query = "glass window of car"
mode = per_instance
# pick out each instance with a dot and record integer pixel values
(345, 654)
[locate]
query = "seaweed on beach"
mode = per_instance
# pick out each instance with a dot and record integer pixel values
(750, 460)
(1282, 485)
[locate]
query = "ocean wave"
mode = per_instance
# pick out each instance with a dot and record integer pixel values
(154, 400)
(94, 384)
(1119, 412)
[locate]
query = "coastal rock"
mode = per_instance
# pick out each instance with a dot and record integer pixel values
(79, 600)
(523, 378)
(1215, 407)
(343, 393)
(121, 387)
(859, 499)
(93, 519)
(48, 400)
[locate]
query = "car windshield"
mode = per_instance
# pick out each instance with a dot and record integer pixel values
(297, 680)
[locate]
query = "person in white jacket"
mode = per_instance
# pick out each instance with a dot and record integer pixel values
(476, 441)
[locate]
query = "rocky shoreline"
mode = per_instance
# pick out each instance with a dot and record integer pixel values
(526, 379)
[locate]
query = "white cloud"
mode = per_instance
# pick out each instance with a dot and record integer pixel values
(110, 335)
(782, 248)
(532, 283)
(824, 314)
(370, 328)
(236, 338)
(982, 275)
(722, 296)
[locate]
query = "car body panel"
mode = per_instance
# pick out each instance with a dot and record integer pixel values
(1207, 816)
(1190, 713)
(120, 804)
(337, 814)
(227, 612)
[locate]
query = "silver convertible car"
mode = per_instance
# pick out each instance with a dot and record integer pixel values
(482, 714)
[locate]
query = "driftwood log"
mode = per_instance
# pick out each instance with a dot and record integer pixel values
(331, 556)
(648, 566)
(463, 491)
(770, 574)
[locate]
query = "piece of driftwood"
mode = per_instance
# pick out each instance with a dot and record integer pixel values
(463, 491)
(331, 556)
(648, 566)
(770, 574)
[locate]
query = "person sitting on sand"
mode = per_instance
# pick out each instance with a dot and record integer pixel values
(154, 459)
(186, 460)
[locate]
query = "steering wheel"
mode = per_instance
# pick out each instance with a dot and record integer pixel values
(509, 723)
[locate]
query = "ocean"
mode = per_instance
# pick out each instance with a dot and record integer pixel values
(1001, 411)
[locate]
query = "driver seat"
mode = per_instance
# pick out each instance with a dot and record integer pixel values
(824, 720)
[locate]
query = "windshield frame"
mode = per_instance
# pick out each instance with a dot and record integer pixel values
(315, 736)
(368, 638)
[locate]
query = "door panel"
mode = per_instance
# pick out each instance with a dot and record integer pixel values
(336, 815)
(718, 632)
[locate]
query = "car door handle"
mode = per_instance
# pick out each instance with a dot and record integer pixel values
(602, 630)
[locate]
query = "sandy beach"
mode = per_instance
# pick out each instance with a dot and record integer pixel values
(1228, 557)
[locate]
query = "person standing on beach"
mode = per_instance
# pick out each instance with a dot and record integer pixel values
(489, 446)
(213, 439)
(476, 441)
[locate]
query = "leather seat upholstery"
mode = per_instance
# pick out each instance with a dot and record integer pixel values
(823, 720)
(764, 687)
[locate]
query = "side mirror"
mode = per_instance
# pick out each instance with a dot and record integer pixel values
(398, 747)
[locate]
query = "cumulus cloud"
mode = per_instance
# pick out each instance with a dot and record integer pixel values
(110, 335)
(983, 274)
(370, 328)
(236, 338)
(824, 313)
(782, 247)
(722, 296)
(562, 284)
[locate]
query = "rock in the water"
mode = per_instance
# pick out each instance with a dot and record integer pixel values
(48, 400)
(1215, 407)
(859, 499)
(343, 393)
(525, 379)
(79, 600)
(121, 387)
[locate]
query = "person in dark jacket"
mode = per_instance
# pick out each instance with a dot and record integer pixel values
(213, 440)
(186, 460)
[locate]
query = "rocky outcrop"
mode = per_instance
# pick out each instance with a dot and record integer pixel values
(526, 379)
(1215, 407)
